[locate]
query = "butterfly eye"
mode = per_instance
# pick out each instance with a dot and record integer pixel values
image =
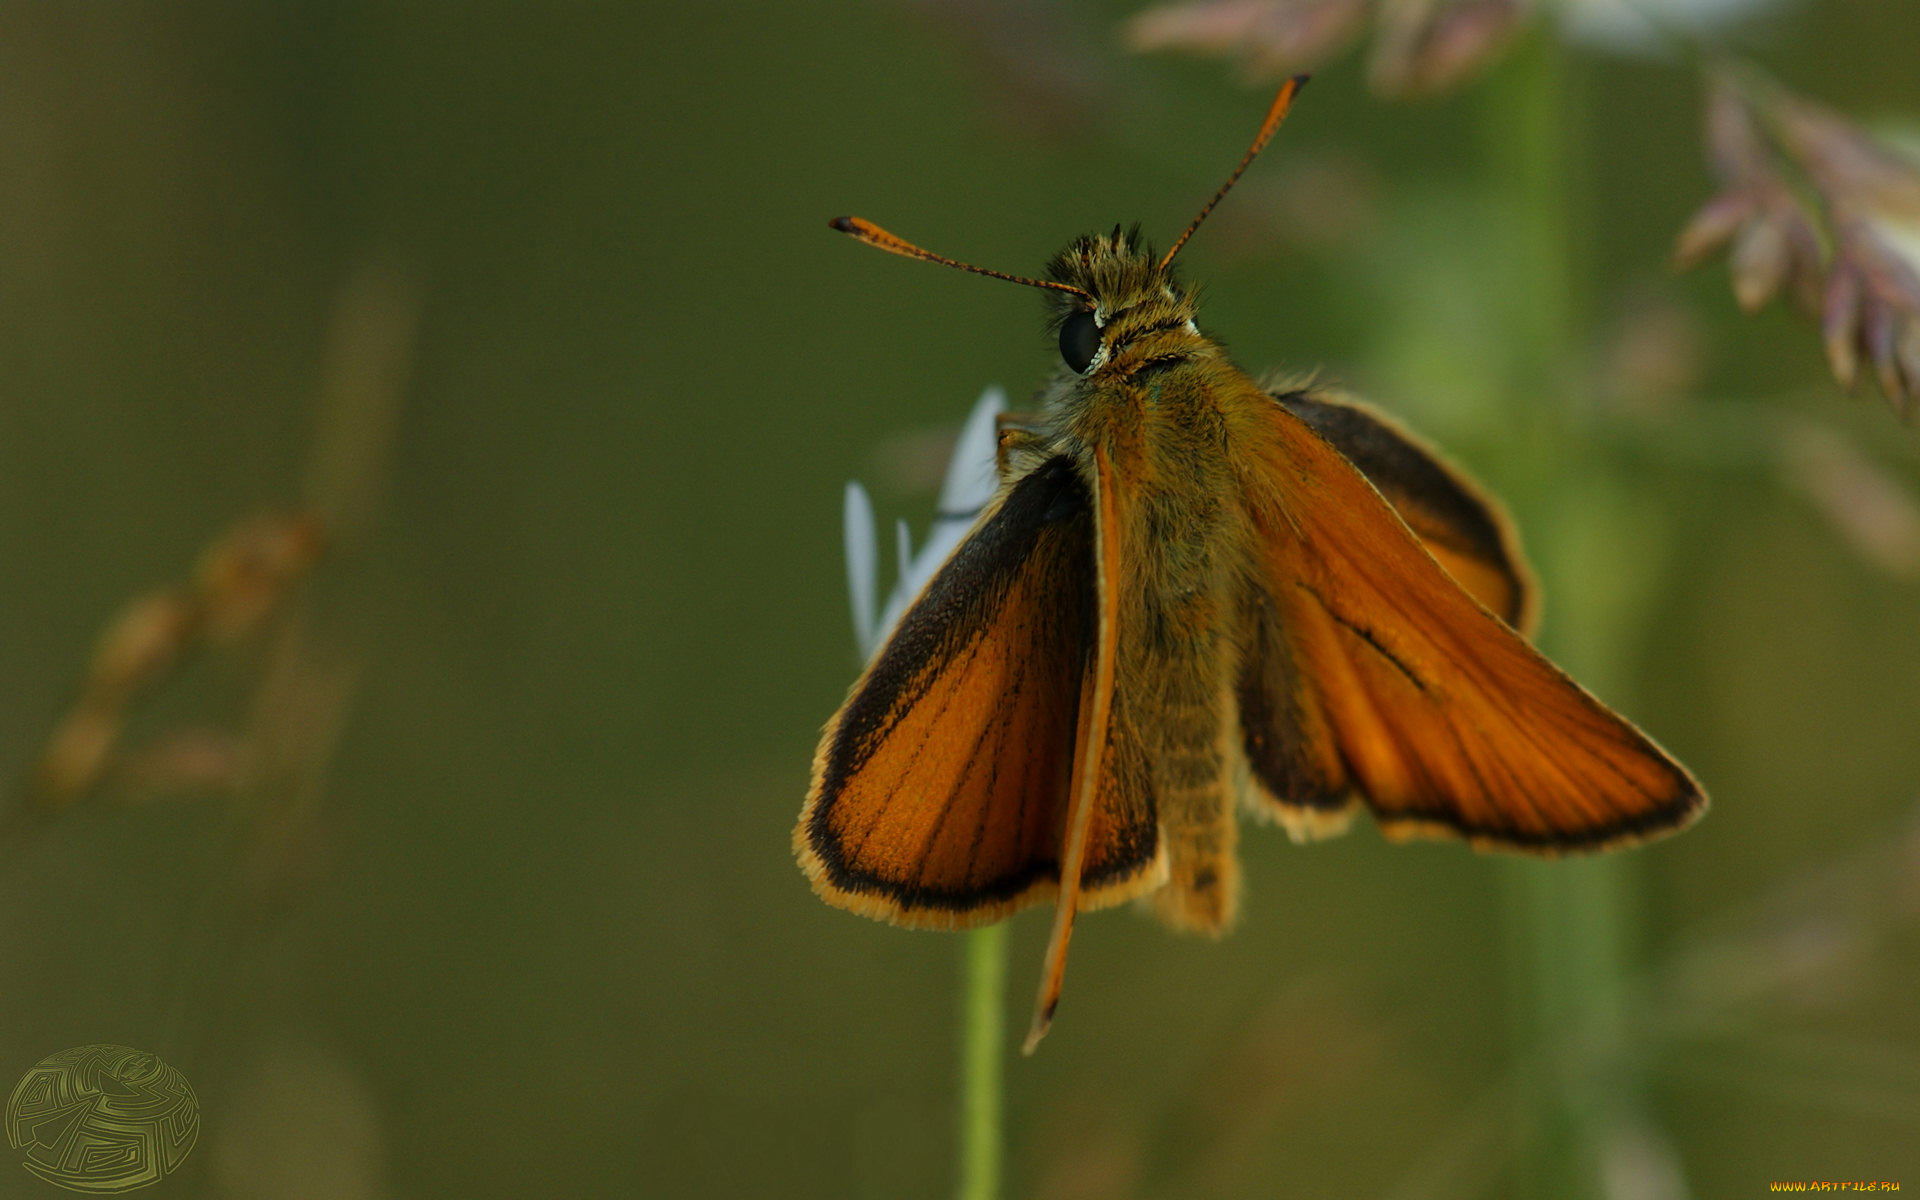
(1079, 341)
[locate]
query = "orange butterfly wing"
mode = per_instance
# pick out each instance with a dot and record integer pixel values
(1372, 673)
(1459, 524)
(941, 788)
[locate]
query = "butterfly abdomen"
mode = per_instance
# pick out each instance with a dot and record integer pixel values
(1178, 563)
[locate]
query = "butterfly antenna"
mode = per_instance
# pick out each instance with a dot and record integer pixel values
(866, 231)
(1275, 115)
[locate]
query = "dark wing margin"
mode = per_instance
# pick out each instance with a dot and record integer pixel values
(940, 789)
(1462, 526)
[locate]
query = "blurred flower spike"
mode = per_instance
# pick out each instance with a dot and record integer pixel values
(1773, 237)
(1811, 205)
(1420, 47)
(1270, 38)
(248, 575)
(1429, 47)
(972, 477)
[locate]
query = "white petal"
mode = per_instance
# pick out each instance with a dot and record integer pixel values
(902, 553)
(972, 478)
(863, 583)
(909, 582)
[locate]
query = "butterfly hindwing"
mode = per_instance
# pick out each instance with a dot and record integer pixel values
(1373, 673)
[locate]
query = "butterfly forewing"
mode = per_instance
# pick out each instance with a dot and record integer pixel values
(1458, 523)
(941, 787)
(1375, 673)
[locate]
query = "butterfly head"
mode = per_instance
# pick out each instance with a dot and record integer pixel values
(1121, 305)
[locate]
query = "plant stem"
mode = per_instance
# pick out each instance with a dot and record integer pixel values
(1569, 924)
(983, 1038)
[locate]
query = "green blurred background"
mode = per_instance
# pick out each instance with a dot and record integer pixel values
(503, 904)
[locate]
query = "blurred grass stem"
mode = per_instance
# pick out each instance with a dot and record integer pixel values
(1568, 923)
(983, 988)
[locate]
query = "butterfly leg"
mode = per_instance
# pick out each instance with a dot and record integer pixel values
(1015, 432)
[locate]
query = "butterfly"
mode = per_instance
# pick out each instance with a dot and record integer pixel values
(1193, 595)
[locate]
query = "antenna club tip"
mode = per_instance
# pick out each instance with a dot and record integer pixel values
(844, 224)
(1301, 80)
